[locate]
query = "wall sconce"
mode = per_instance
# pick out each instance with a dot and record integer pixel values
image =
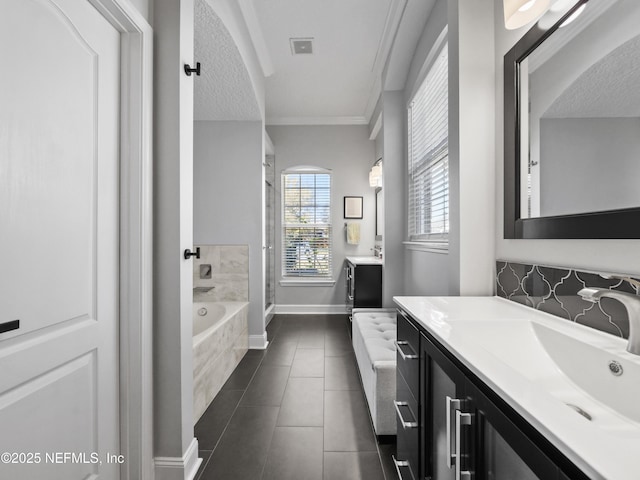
(518, 13)
(375, 175)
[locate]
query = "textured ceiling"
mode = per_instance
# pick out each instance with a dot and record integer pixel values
(224, 90)
(337, 80)
(609, 88)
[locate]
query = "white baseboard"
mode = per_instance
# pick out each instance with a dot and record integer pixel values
(269, 313)
(179, 468)
(311, 309)
(258, 342)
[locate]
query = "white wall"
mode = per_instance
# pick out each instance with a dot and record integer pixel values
(227, 197)
(394, 116)
(468, 267)
(349, 154)
(605, 255)
(473, 114)
(173, 23)
(172, 205)
(425, 273)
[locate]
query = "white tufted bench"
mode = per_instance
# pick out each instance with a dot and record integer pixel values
(373, 336)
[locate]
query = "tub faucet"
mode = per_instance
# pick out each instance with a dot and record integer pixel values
(631, 303)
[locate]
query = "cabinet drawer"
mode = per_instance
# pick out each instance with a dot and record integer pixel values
(406, 405)
(407, 332)
(408, 432)
(404, 471)
(407, 358)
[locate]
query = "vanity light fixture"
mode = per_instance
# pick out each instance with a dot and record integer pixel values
(518, 13)
(375, 175)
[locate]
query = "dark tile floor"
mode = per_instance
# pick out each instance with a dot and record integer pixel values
(295, 411)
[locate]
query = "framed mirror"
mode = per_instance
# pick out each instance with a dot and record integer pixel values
(572, 124)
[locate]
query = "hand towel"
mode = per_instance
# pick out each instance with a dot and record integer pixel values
(353, 233)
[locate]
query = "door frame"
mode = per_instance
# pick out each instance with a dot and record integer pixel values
(136, 241)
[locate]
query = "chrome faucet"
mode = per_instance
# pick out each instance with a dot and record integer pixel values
(629, 300)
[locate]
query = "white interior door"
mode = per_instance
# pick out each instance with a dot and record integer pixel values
(59, 152)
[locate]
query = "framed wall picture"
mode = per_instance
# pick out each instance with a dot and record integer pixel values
(353, 207)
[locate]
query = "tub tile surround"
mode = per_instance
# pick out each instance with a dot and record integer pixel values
(555, 290)
(229, 273)
(207, 350)
(216, 354)
(217, 351)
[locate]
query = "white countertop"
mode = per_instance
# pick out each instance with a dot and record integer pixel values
(365, 260)
(604, 449)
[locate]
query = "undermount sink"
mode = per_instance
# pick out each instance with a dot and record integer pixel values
(588, 370)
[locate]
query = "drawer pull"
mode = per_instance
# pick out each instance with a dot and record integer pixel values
(401, 464)
(404, 423)
(461, 419)
(9, 326)
(451, 459)
(405, 356)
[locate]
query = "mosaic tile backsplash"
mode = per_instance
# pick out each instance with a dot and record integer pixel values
(555, 290)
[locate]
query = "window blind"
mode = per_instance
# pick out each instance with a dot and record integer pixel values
(306, 220)
(428, 119)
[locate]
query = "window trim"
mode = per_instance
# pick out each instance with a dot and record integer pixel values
(287, 280)
(431, 246)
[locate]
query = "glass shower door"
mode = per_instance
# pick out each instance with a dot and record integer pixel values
(270, 224)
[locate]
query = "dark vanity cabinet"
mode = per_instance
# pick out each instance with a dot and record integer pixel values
(448, 425)
(364, 284)
(407, 399)
(459, 429)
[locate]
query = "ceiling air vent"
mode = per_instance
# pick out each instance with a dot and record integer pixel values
(300, 46)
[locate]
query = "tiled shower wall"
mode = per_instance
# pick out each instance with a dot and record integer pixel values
(228, 267)
(555, 290)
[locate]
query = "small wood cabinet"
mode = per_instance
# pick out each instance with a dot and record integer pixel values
(364, 283)
(459, 428)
